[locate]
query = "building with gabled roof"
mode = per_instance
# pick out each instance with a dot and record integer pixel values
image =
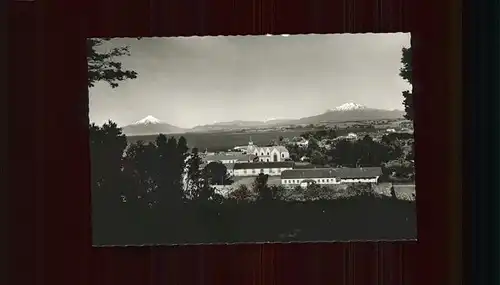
(255, 168)
(229, 158)
(268, 153)
(330, 176)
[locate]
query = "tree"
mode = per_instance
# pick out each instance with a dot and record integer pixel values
(295, 194)
(296, 152)
(168, 169)
(107, 146)
(313, 191)
(207, 192)
(308, 135)
(411, 154)
(278, 192)
(260, 182)
(114, 195)
(194, 175)
(216, 174)
(317, 192)
(332, 134)
(242, 193)
(312, 146)
(139, 168)
(180, 159)
(113, 191)
(361, 189)
(393, 137)
(344, 154)
(401, 169)
(272, 142)
(406, 73)
(363, 153)
(107, 143)
(198, 186)
(264, 191)
(393, 192)
(318, 158)
(260, 187)
(102, 66)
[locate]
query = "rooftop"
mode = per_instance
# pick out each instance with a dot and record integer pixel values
(229, 166)
(346, 173)
(280, 148)
(220, 157)
(404, 188)
(308, 173)
(261, 165)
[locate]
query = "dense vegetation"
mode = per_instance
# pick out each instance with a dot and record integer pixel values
(406, 72)
(394, 152)
(138, 198)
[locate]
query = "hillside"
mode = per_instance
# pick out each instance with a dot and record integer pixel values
(348, 112)
(366, 114)
(150, 126)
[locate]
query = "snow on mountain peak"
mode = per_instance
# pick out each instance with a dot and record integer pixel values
(148, 120)
(349, 107)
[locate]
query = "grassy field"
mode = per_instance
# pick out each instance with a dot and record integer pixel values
(225, 140)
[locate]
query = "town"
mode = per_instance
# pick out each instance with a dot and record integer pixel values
(286, 163)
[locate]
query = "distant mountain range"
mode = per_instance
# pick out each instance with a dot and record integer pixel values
(344, 113)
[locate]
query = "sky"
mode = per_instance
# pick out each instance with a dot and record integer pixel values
(190, 81)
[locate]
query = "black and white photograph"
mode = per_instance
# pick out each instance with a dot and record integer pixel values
(251, 139)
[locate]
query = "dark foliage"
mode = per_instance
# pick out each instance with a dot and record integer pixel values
(363, 153)
(406, 74)
(139, 198)
(103, 66)
(216, 173)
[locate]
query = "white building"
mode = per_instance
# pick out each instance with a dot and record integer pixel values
(255, 168)
(304, 158)
(330, 176)
(268, 153)
(352, 136)
(303, 143)
(240, 148)
(229, 158)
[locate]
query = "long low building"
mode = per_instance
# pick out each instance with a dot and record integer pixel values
(330, 176)
(229, 158)
(255, 168)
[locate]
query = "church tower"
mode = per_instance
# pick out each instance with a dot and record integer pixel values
(250, 147)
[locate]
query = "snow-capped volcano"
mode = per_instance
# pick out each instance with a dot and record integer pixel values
(150, 126)
(351, 112)
(148, 120)
(349, 107)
